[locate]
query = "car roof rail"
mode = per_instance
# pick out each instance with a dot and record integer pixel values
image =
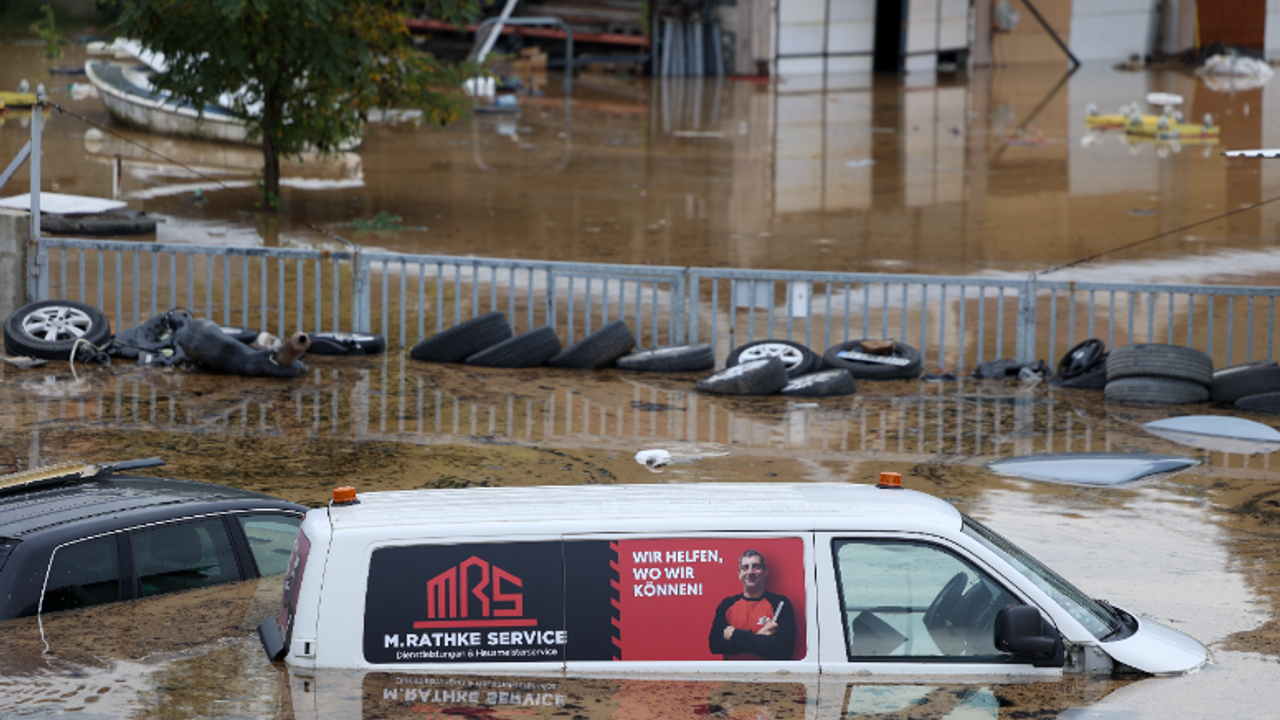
(69, 472)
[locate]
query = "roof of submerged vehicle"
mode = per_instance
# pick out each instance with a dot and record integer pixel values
(635, 508)
(29, 512)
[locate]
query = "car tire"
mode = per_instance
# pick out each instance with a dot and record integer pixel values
(464, 339)
(1174, 362)
(1155, 391)
(765, 376)
(345, 343)
(49, 329)
(1095, 378)
(796, 358)
(598, 349)
(1265, 403)
(1231, 384)
(824, 383)
(529, 349)
(695, 357)
(863, 370)
(240, 334)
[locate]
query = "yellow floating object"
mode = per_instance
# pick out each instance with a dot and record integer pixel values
(1171, 130)
(17, 99)
(1187, 140)
(1113, 120)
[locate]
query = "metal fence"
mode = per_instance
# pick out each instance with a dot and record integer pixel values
(955, 322)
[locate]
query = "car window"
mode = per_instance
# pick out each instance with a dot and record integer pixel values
(270, 539)
(84, 573)
(913, 600)
(183, 556)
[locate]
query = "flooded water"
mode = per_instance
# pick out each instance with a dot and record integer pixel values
(990, 173)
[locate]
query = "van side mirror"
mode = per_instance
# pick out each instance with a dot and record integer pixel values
(1021, 631)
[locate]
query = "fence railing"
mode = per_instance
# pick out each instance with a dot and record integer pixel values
(955, 322)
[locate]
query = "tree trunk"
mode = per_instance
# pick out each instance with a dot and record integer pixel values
(270, 173)
(271, 122)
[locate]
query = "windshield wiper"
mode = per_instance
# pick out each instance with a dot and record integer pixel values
(1120, 617)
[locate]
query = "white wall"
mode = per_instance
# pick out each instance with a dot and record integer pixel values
(842, 27)
(1109, 29)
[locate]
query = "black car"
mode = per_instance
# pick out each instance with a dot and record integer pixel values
(77, 535)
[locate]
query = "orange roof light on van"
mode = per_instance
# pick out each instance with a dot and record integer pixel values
(890, 481)
(344, 495)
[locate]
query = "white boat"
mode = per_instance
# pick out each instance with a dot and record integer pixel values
(132, 100)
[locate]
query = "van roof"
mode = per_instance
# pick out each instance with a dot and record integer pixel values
(733, 507)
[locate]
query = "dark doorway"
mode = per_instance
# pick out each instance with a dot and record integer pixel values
(890, 32)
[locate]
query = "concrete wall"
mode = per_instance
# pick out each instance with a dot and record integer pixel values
(15, 230)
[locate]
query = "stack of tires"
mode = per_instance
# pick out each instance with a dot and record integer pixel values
(773, 367)
(488, 341)
(1154, 374)
(767, 367)
(1254, 387)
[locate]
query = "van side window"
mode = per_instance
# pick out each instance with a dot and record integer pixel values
(183, 556)
(270, 540)
(83, 574)
(913, 600)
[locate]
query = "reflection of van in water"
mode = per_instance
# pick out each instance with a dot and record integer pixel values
(406, 696)
(690, 578)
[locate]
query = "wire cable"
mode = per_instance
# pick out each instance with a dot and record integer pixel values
(1136, 243)
(195, 172)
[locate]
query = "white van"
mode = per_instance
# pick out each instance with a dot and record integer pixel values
(702, 578)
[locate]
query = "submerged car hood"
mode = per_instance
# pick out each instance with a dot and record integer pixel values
(1159, 650)
(1096, 469)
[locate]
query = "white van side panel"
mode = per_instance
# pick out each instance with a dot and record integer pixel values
(341, 639)
(670, 635)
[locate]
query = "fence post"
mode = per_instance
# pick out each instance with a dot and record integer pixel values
(691, 304)
(361, 295)
(678, 295)
(1026, 340)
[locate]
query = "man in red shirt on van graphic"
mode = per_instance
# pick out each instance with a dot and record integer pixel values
(756, 625)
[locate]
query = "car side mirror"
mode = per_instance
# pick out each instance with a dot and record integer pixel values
(1021, 630)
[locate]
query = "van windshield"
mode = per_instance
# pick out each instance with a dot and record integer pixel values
(1097, 618)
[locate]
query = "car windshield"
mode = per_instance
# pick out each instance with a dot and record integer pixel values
(1095, 617)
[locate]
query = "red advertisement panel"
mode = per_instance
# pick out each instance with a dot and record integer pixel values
(711, 599)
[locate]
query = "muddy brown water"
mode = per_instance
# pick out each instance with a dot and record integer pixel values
(992, 173)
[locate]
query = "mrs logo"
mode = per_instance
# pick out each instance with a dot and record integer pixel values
(474, 584)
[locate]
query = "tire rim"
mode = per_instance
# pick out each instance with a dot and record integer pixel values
(790, 355)
(341, 336)
(56, 323)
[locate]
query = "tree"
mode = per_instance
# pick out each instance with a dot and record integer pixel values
(303, 74)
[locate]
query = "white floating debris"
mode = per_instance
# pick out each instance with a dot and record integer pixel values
(63, 204)
(653, 459)
(1163, 98)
